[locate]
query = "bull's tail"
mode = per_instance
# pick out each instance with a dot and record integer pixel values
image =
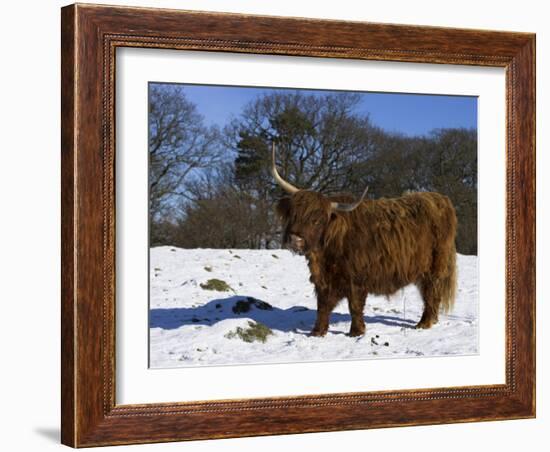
(446, 284)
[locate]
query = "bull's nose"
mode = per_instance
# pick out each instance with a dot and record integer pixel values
(296, 238)
(296, 242)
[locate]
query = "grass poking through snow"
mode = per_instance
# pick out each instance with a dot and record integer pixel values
(255, 332)
(216, 284)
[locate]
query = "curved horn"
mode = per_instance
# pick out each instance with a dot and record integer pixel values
(289, 188)
(349, 207)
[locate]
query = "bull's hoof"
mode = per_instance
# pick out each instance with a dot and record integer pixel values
(354, 332)
(425, 324)
(318, 333)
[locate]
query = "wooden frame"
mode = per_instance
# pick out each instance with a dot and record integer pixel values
(90, 35)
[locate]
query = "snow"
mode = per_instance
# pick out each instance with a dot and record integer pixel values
(190, 325)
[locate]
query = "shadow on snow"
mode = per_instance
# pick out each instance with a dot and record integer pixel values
(296, 318)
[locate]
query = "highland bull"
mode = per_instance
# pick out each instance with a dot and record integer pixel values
(371, 246)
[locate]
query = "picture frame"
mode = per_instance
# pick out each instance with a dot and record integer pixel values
(90, 36)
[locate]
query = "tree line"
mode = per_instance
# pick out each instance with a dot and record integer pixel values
(210, 187)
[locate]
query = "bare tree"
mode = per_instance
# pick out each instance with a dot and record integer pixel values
(452, 159)
(319, 139)
(179, 145)
(222, 215)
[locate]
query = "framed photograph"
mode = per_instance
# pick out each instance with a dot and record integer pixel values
(281, 225)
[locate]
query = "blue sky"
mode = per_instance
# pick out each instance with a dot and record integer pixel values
(409, 114)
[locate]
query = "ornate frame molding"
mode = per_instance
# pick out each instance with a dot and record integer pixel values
(90, 36)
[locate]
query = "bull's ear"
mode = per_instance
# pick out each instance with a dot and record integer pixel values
(283, 208)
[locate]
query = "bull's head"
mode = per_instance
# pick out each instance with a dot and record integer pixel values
(306, 214)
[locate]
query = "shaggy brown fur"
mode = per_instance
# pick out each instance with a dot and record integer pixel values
(380, 247)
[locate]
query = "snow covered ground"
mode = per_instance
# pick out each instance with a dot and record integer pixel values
(191, 325)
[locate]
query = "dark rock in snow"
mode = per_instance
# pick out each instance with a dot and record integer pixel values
(243, 306)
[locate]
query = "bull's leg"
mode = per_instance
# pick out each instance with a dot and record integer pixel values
(432, 300)
(356, 301)
(325, 304)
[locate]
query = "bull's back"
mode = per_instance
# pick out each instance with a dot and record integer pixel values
(397, 239)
